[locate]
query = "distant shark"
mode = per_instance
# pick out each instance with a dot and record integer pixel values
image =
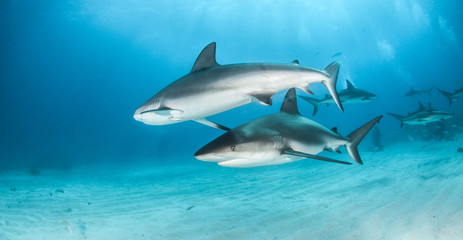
(452, 96)
(348, 95)
(412, 92)
(422, 116)
(211, 88)
(280, 138)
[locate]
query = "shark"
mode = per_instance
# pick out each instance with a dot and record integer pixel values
(412, 92)
(422, 116)
(211, 88)
(349, 95)
(452, 96)
(280, 138)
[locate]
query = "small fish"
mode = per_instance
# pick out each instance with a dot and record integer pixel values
(68, 226)
(337, 54)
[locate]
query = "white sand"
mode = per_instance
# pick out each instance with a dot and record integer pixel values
(409, 191)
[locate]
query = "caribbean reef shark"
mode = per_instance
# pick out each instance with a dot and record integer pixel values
(280, 138)
(348, 95)
(452, 96)
(422, 116)
(414, 92)
(211, 88)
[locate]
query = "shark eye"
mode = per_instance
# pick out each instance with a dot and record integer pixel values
(233, 148)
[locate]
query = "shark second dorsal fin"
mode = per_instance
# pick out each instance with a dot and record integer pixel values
(295, 62)
(290, 103)
(206, 58)
(349, 85)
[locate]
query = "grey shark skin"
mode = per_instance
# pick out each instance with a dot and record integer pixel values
(412, 92)
(211, 88)
(349, 95)
(422, 116)
(452, 96)
(280, 138)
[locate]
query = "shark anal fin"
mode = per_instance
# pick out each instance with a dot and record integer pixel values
(264, 99)
(316, 157)
(206, 58)
(335, 130)
(211, 124)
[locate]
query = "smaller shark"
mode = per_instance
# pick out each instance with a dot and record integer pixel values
(452, 96)
(349, 95)
(422, 116)
(279, 138)
(414, 92)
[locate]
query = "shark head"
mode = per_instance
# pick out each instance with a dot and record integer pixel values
(152, 113)
(233, 145)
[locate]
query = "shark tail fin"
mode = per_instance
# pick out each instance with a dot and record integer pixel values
(315, 102)
(447, 95)
(399, 117)
(357, 136)
(332, 71)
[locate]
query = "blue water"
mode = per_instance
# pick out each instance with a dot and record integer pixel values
(73, 72)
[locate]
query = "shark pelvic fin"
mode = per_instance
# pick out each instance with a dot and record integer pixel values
(290, 103)
(211, 124)
(264, 99)
(316, 157)
(349, 85)
(206, 58)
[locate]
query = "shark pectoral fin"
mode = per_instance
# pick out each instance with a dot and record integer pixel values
(211, 124)
(307, 155)
(165, 111)
(264, 99)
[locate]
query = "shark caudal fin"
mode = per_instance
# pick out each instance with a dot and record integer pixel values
(399, 117)
(332, 71)
(356, 137)
(447, 95)
(315, 102)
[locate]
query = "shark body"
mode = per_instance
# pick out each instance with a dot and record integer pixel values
(211, 88)
(349, 95)
(280, 138)
(422, 116)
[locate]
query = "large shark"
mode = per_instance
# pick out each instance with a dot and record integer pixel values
(412, 92)
(349, 95)
(422, 116)
(452, 96)
(211, 88)
(280, 138)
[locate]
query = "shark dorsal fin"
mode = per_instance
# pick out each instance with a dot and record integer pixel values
(429, 108)
(349, 85)
(421, 106)
(206, 58)
(295, 62)
(290, 103)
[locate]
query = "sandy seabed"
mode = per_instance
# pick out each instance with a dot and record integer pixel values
(409, 191)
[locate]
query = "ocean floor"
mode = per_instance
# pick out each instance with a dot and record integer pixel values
(411, 190)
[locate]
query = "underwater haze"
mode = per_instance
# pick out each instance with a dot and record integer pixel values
(75, 164)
